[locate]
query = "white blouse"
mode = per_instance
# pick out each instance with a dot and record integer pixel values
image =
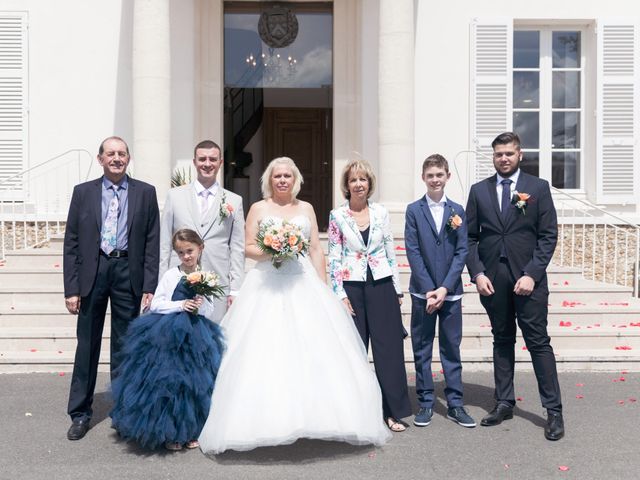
(162, 302)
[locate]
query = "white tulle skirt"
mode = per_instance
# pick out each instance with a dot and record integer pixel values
(295, 367)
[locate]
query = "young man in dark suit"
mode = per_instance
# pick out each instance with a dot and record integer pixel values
(111, 253)
(513, 231)
(436, 241)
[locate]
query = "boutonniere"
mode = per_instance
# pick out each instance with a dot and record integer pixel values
(454, 222)
(226, 209)
(520, 201)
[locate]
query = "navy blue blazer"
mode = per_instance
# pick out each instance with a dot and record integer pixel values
(82, 238)
(529, 240)
(436, 259)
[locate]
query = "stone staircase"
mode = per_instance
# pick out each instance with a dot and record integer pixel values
(594, 326)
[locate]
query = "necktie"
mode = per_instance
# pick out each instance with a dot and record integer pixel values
(109, 234)
(506, 196)
(204, 203)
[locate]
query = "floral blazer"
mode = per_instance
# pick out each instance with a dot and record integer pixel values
(349, 256)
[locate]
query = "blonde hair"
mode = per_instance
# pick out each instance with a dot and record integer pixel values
(357, 166)
(265, 180)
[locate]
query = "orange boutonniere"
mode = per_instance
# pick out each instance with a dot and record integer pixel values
(454, 222)
(520, 200)
(226, 209)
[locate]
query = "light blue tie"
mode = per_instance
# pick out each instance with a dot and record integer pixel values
(109, 234)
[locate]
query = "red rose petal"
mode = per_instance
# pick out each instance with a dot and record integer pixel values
(372, 455)
(632, 400)
(579, 396)
(566, 282)
(622, 379)
(620, 402)
(33, 350)
(579, 384)
(61, 374)
(524, 347)
(441, 370)
(563, 468)
(519, 399)
(624, 372)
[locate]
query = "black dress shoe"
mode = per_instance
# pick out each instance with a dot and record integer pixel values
(497, 415)
(554, 430)
(78, 429)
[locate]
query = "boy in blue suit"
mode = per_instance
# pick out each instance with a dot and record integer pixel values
(436, 242)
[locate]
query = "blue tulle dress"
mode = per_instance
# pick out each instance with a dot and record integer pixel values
(162, 391)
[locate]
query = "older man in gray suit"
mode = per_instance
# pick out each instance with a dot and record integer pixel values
(216, 214)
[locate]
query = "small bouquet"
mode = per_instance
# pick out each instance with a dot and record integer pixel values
(454, 222)
(281, 241)
(520, 200)
(206, 284)
(226, 209)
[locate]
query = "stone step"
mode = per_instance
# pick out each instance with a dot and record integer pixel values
(30, 276)
(474, 338)
(472, 360)
(33, 258)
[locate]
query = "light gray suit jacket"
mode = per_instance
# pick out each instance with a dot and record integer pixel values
(223, 239)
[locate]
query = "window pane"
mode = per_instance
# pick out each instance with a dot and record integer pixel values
(527, 126)
(526, 89)
(566, 89)
(531, 163)
(304, 63)
(526, 49)
(566, 49)
(565, 170)
(565, 130)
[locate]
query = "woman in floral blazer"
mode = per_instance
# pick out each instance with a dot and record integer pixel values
(364, 274)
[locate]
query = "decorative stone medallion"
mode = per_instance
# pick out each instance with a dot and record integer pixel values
(278, 27)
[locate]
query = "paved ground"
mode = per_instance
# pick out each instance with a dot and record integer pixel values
(602, 442)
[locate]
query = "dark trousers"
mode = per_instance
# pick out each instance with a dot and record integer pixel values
(112, 283)
(378, 318)
(503, 308)
(423, 330)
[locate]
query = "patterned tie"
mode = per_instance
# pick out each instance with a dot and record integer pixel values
(506, 196)
(109, 234)
(204, 203)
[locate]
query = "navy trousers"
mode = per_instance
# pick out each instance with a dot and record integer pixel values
(423, 329)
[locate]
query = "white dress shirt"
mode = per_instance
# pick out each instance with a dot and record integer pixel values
(514, 180)
(437, 212)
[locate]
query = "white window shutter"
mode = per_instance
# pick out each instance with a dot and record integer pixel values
(617, 112)
(491, 89)
(13, 101)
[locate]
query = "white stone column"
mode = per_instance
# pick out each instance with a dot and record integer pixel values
(151, 72)
(396, 106)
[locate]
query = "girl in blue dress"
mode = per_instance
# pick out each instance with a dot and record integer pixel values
(162, 389)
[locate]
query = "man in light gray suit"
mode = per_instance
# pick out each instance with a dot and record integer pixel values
(216, 214)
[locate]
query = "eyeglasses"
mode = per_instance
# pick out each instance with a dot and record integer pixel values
(503, 154)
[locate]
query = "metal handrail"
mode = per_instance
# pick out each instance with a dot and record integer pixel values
(29, 170)
(34, 202)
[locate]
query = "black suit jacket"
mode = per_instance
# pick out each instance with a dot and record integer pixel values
(529, 240)
(82, 237)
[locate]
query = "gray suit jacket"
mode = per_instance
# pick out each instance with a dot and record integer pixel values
(223, 239)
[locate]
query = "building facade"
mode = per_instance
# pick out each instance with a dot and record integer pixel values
(391, 81)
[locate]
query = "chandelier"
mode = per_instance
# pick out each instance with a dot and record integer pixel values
(273, 66)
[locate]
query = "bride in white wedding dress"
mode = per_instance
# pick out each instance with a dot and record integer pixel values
(295, 366)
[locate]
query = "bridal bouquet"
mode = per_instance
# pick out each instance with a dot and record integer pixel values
(206, 284)
(281, 241)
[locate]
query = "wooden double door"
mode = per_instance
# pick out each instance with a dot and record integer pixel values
(304, 134)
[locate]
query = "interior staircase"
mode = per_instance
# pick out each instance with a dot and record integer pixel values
(594, 326)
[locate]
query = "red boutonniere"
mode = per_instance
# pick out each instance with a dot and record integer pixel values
(520, 201)
(454, 222)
